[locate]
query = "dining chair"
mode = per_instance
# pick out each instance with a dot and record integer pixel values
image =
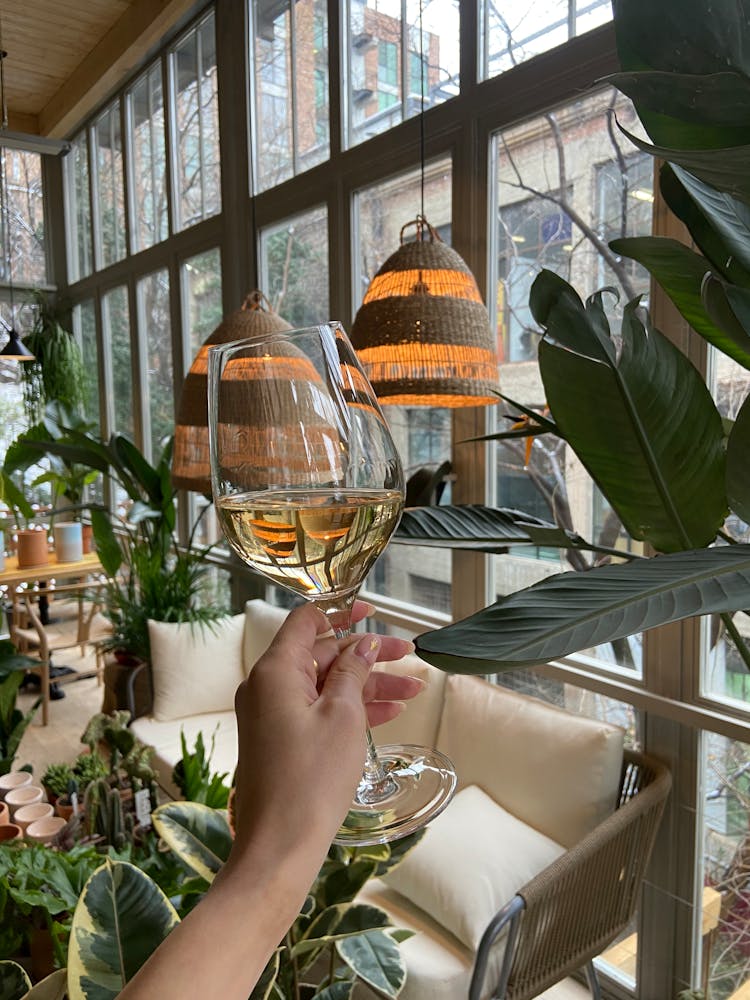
(571, 911)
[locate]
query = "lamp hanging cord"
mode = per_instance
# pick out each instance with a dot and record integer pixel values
(3, 54)
(421, 109)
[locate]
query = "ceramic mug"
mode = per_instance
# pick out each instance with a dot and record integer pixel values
(43, 830)
(26, 815)
(14, 779)
(9, 831)
(26, 795)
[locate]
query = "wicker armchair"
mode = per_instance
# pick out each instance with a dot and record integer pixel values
(570, 912)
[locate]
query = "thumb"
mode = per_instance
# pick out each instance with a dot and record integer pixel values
(348, 673)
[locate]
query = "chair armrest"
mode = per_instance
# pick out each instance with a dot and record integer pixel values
(578, 905)
(139, 692)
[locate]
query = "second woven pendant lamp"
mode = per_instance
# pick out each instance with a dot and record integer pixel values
(190, 464)
(422, 332)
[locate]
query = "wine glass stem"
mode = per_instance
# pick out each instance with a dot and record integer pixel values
(375, 784)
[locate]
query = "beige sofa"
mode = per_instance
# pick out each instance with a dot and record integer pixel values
(533, 781)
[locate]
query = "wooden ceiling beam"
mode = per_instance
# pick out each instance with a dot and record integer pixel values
(112, 60)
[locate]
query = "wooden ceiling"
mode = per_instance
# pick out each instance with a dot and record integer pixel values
(65, 56)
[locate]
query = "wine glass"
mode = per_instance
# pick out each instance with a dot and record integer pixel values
(308, 488)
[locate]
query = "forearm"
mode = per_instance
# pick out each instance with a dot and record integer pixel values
(243, 917)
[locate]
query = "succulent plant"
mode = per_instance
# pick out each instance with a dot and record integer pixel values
(56, 778)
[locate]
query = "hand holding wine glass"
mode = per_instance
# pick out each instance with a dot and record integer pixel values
(309, 487)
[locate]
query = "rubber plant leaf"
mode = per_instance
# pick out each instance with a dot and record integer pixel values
(14, 983)
(573, 611)
(199, 836)
(376, 959)
(120, 920)
(681, 272)
(52, 987)
(644, 426)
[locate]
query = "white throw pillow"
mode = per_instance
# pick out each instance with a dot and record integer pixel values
(471, 861)
(556, 771)
(196, 668)
(262, 622)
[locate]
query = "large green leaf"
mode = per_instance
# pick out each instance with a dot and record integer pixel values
(199, 836)
(727, 170)
(52, 987)
(574, 611)
(682, 36)
(121, 919)
(681, 272)
(376, 958)
(482, 529)
(14, 983)
(105, 539)
(644, 426)
(686, 111)
(738, 463)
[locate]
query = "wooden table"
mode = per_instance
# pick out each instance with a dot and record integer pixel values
(12, 576)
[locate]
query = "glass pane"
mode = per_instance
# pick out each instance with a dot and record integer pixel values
(25, 241)
(154, 323)
(513, 32)
(110, 186)
(725, 903)
(291, 88)
(563, 190)
(391, 65)
(202, 309)
(195, 83)
(414, 575)
(294, 267)
(116, 326)
(724, 673)
(84, 325)
(148, 170)
(201, 291)
(78, 208)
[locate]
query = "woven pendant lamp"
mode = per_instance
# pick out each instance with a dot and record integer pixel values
(190, 464)
(422, 332)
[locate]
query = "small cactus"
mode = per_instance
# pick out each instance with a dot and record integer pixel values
(104, 813)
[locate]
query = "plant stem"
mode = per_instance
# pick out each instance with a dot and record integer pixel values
(332, 965)
(737, 639)
(295, 972)
(60, 958)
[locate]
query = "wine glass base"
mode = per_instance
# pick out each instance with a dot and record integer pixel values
(424, 782)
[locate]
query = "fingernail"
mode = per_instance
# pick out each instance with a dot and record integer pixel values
(367, 648)
(418, 680)
(401, 705)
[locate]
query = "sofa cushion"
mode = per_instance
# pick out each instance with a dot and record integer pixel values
(555, 771)
(472, 860)
(418, 723)
(262, 622)
(195, 667)
(164, 737)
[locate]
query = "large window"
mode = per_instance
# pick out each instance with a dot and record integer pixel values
(398, 55)
(195, 89)
(523, 170)
(290, 57)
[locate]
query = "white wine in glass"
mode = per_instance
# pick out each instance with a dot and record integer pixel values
(309, 488)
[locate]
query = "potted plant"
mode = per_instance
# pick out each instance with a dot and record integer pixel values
(56, 779)
(13, 722)
(671, 480)
(56, 374)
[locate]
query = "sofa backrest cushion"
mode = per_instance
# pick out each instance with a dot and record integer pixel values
(262, 622)
(418, 723)
(472, 859)
(556, 771)
(195, 668)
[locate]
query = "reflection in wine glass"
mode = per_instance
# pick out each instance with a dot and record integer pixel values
(309, 488)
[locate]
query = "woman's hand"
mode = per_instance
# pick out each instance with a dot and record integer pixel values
(301, 716)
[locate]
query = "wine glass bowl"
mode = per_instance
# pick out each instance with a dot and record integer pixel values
(309, 487)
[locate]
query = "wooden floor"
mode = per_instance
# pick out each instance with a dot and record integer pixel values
(59, 741)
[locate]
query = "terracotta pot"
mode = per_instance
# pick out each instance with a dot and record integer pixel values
(118, 668)
(9, 831)
(4, 814)
(87, 538)
(64, 808)
(14, 779)
(33, 549)
(27, 815)
(44, 830)
(26, 795)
